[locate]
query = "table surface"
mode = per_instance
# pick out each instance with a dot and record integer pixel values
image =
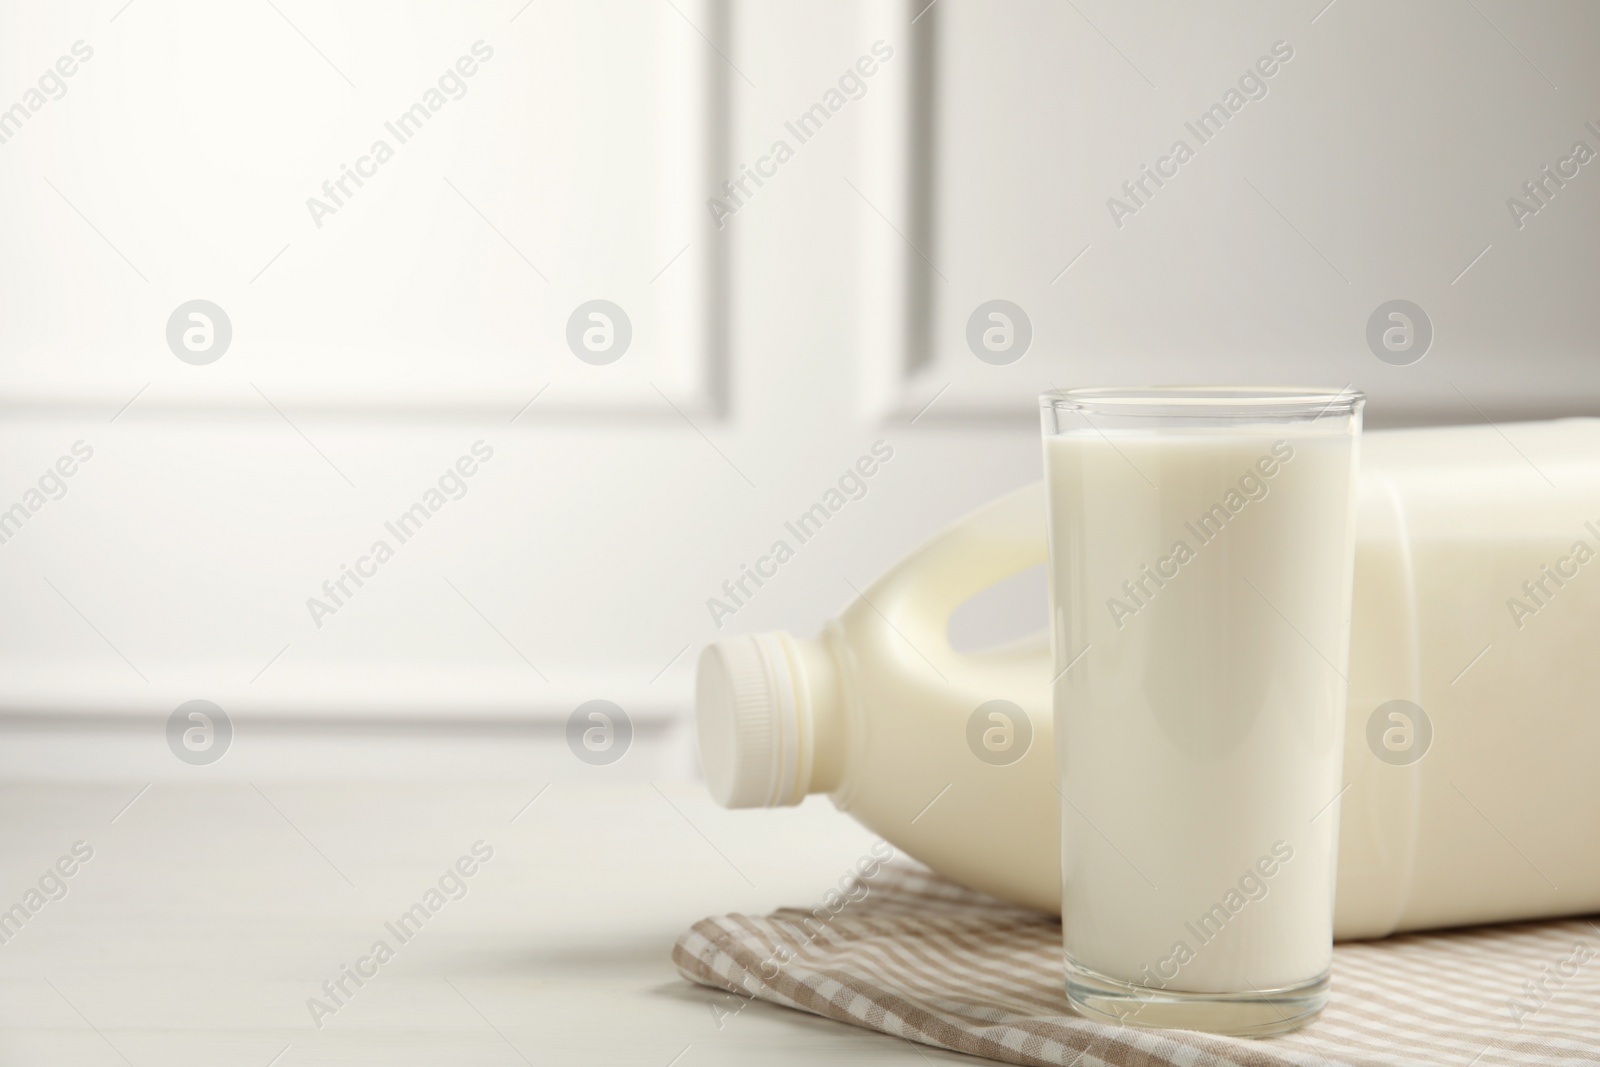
(211, 912)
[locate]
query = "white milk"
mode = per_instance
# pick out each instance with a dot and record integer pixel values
(1202, 584)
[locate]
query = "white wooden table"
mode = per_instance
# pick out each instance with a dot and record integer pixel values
(215, 907)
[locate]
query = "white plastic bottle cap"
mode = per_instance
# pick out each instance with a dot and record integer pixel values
(750, 723)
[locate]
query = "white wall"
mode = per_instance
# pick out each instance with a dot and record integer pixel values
(767, 357)
(1376, 164)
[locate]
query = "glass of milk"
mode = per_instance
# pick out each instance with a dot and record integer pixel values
(1201, 550)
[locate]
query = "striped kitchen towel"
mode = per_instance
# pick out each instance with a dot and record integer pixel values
(913, 955)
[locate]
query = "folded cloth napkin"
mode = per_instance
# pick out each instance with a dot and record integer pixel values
(913, 955)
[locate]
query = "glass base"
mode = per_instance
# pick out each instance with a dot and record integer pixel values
(1259, 1013)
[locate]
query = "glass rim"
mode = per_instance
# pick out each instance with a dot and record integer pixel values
(1207, 401)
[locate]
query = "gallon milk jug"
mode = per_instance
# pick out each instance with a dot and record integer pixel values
(1472, 733)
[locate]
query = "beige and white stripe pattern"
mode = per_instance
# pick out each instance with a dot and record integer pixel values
(921, 958)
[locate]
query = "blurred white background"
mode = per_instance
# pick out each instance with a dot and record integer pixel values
(966, 151)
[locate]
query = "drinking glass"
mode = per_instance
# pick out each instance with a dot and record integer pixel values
(1201, 550)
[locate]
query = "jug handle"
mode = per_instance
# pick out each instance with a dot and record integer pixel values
(998, 540)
